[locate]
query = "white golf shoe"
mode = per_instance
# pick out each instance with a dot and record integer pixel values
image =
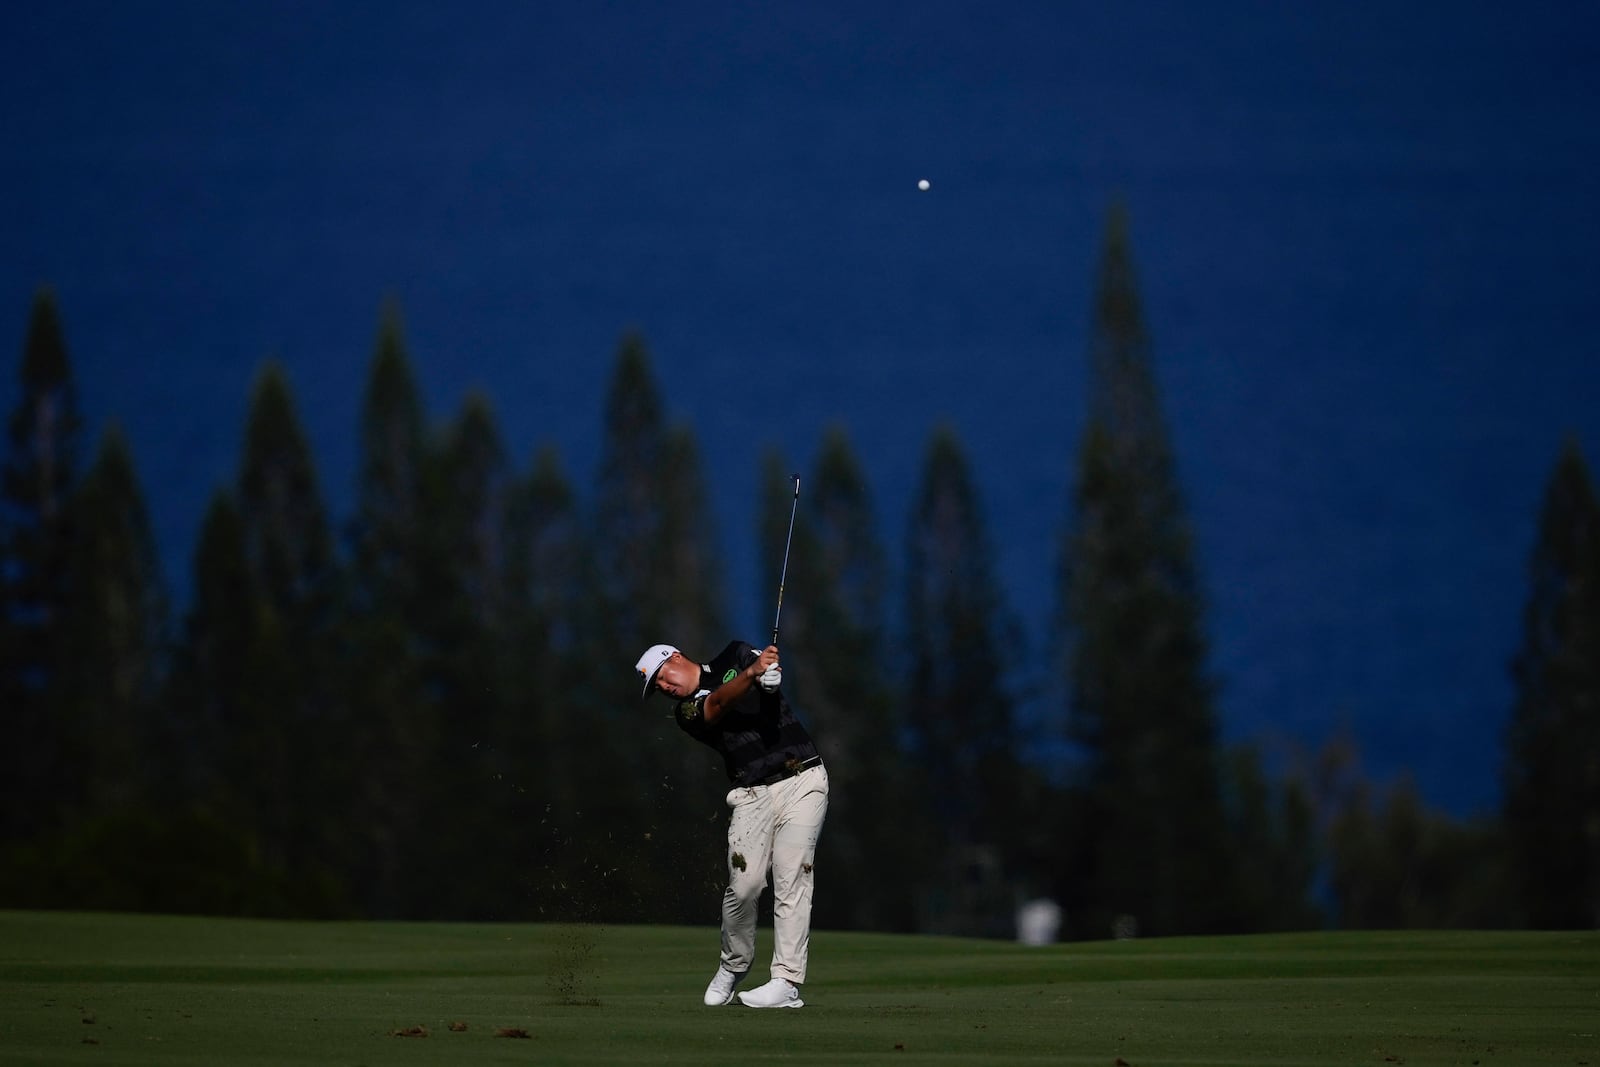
(723, 983)
(778, 993)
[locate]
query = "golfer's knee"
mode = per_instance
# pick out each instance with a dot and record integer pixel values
(789, 878)
(745, 886)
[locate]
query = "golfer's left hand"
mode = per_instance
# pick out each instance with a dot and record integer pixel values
(771, 678)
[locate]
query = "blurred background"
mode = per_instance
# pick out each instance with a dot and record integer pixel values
(1197, 526)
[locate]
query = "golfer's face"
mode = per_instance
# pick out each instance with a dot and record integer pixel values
(678, 677)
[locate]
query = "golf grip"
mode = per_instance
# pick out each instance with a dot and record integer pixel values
(787, 541)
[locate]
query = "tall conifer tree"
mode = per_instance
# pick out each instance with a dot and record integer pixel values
(550, 588)
(213, 686)
(548, 562)
(834, 653)
(1552, 765)
(37, 479)
(959, 711)
(656, 552)
(394, 724)
(113, 639)
(474, 482)
(630, 501)
(386, 530)
(296, 777)
(287, 536)
(465, 671)
(1152, 836)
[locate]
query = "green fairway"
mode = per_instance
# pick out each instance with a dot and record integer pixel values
(122, 989)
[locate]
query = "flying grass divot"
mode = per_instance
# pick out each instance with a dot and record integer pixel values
(571, 975)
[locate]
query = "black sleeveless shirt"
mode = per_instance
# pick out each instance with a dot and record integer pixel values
(757, 735)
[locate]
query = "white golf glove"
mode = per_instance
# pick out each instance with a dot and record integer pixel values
(772, 678)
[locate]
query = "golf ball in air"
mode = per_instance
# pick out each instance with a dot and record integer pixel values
(923, 183)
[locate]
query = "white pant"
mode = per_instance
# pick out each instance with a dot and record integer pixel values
(773, 828)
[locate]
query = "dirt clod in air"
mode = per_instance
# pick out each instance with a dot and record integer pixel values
(572, 968)
(737, 860)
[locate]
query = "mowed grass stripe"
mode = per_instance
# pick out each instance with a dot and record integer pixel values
(125, 989)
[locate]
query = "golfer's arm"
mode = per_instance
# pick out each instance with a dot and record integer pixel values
(729, 691)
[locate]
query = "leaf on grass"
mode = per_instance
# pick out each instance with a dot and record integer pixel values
(458, 1027)
(512, 1031)
(410, 1031)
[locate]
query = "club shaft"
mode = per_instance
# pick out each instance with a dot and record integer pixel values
(783, 577)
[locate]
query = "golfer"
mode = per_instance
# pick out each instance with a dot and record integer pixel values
(779, 797)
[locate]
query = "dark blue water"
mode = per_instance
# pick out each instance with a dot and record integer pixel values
(1367, 237)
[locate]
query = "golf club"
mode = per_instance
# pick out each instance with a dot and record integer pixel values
(786, 543)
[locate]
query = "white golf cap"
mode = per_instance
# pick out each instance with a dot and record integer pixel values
(650, 663)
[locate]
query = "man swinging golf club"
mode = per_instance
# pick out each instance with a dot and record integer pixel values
(735, 704)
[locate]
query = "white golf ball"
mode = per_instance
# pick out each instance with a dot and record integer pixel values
(923, 184)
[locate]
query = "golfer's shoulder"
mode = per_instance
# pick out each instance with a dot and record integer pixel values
(737, 654)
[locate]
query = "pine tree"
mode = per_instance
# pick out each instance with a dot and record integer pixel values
(1274, 834)
(1395, 865)
(37, 480)
(656, 553)
(548, 558)
(212, 686)
(550, 589)
(287, 536)
(463, 668)
(112, 642)
(834, 655)
(1151, 843)
(687, 780)
(385, 533)
(475, 486)
(691, 584)
(959, 711)
(630, 502)
(394, 726)
(226, 688)
(295, 780)
(1552, 764)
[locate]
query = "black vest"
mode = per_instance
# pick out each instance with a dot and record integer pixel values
(757, 735)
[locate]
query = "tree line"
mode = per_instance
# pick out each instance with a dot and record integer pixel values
(423, 709)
